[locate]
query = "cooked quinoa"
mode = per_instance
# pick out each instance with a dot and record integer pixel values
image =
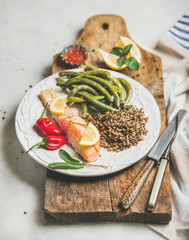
(121, 130)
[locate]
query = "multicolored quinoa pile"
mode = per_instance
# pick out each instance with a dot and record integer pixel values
(119, 131)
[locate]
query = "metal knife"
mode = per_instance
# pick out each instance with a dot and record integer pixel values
(161, 170)
(153, 157)
(158, 179)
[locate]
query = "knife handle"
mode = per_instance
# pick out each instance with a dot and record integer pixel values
(157, 184)
(136, 185)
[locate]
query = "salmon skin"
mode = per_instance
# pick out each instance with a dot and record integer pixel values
(74, 127)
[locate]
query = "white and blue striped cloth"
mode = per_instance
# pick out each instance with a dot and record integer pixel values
(173, 48)
(180, 32)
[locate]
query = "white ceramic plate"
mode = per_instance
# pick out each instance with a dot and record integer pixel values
(31, 108)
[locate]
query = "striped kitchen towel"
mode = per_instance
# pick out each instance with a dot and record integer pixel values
(180, 32)
(173, 48)
(177, 38)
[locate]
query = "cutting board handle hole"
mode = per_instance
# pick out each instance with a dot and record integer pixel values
(105, 26)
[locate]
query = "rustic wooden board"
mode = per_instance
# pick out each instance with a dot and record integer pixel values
(69, 199)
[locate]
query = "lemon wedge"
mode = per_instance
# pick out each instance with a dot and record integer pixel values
(91, 136)
(111, 60)
(58, 104)
(134, 52)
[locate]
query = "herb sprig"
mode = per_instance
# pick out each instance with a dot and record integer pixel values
(122, 53)
(70, 162)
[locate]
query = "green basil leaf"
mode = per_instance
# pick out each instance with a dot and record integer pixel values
(121, 61)
(117, 51)
(132, 63)
(61, 165)
(127, 49)
(67, 158)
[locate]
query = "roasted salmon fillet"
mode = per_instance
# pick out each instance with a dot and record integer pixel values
(73, 131)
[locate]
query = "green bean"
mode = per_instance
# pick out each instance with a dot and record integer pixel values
(90, 67)
(95, 72)
(115, 81)
(97, 103)
(118, 90)
(99, 97)
(104, 101)
(91, 83)
(60, 82)
(92, 107)
(69, 73)
(76, 100)
(119, 85)
(128, 89)
(92, 110)
(82, 87)
(84, 110)
(81, 100)
(109, 87)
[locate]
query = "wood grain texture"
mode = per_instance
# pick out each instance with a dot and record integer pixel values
(69, 199)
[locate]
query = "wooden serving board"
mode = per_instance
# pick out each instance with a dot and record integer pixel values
(73, 199)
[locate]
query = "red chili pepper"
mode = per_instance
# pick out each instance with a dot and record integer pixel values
(46, 126)
(51, 142)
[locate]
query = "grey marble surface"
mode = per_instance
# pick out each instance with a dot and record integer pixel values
(31, 32)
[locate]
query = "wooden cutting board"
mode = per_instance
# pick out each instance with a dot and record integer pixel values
(73, 199)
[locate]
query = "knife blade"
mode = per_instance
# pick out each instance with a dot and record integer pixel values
(161, 169)
(154, 156)
(164, 140)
